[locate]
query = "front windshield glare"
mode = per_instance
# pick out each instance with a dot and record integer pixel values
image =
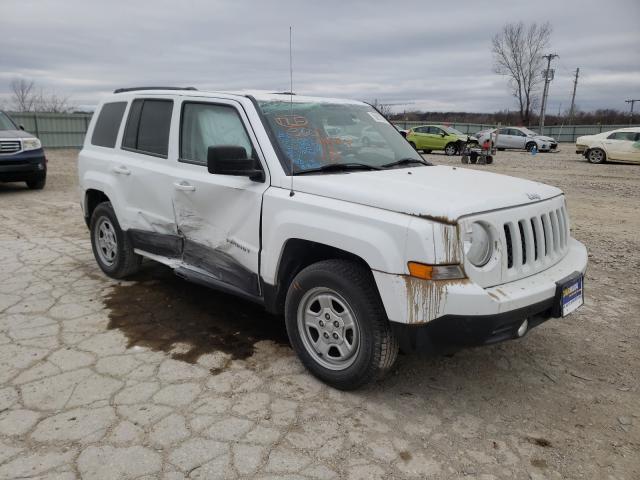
(5, 123)
(313, 135)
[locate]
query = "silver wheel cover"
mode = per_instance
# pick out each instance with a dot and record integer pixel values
(328, 328)
(106, 241)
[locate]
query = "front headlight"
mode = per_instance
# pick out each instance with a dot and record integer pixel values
(31, 144)
(478, 247)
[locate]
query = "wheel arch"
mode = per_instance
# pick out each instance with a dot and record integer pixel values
(297, 254)
(92, 198)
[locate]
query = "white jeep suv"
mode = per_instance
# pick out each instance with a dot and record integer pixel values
(364, 248)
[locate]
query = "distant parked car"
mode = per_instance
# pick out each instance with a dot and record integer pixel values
(438, 137)
(21, 155)
(622, 145)
(520, 138)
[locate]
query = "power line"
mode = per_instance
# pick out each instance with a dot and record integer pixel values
(548, 76)
(573, 96)
(631, 112)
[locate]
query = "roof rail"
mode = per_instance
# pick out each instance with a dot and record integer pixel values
(134, 89)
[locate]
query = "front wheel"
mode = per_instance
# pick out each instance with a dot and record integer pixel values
(37, 184)
(111, 247)
(596, 155)
(337, 325)
(530, 146)
(450, 149)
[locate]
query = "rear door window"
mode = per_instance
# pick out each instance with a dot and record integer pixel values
(148, 127)
(107, 126)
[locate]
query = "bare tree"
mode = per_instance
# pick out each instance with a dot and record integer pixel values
(24, 96)
(517, 52)
(52, 102)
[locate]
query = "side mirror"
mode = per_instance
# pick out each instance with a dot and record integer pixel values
(443, 134)
(21, 127)
(232, 160)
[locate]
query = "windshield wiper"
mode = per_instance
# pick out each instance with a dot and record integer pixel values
(405, 161)
(339, 167)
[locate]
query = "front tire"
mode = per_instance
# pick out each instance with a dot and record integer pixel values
(450, 149)
(596, 155)
(37, 184)
(530, 146)
(337, 324)
(111, 247)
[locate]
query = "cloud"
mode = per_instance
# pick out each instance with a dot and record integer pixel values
(434, 56)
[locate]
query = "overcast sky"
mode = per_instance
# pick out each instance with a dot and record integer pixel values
(432, 55)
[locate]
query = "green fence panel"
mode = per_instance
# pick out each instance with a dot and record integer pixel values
(55, 130)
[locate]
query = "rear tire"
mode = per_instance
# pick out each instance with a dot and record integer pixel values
(37, 184)
(337, 324)
(111, 247)
(596, 155)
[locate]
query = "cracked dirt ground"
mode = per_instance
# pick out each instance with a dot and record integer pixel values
(158, 378)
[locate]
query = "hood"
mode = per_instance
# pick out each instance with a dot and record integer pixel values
(440, 193)
(6, 134)
(544, 138)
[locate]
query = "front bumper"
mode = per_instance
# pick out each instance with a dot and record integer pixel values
(23, 166)
(412, 301)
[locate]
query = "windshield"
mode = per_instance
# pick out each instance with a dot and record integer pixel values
(531, 133)
(453, 131)
(6, 123)
(313, 135)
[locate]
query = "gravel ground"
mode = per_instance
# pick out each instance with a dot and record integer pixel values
(160, 378)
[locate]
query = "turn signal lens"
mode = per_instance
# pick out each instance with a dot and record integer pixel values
(435, 272)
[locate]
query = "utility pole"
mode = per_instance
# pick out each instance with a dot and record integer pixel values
(548, 76)
(573, 97)
(631, 112)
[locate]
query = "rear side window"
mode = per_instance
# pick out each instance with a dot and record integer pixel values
(630, 136)
(108, 124)
(148, 127)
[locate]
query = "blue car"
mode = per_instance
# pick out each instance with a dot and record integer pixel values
(22, 158)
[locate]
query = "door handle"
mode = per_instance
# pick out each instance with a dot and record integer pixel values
(121, 170)
(184, 186)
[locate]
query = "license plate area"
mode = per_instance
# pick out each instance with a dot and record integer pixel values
(569, 294)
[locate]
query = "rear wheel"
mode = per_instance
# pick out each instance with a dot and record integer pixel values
(450, 149)
(111, 247)
(337, 325)
(596, 155)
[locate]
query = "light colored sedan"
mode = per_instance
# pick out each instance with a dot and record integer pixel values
(622, 145)
(520, 138)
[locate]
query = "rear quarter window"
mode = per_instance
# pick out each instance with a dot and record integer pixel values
(107, 126)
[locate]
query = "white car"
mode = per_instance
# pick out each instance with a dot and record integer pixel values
(520, 138)
(361, 249)
(622, 145)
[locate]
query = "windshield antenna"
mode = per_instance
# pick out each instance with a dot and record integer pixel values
(291, 193)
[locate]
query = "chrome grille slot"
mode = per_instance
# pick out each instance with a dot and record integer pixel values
(9, 146)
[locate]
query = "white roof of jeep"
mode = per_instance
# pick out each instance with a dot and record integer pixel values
(259, 95)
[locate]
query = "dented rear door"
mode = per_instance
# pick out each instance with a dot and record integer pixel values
(218, 216)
